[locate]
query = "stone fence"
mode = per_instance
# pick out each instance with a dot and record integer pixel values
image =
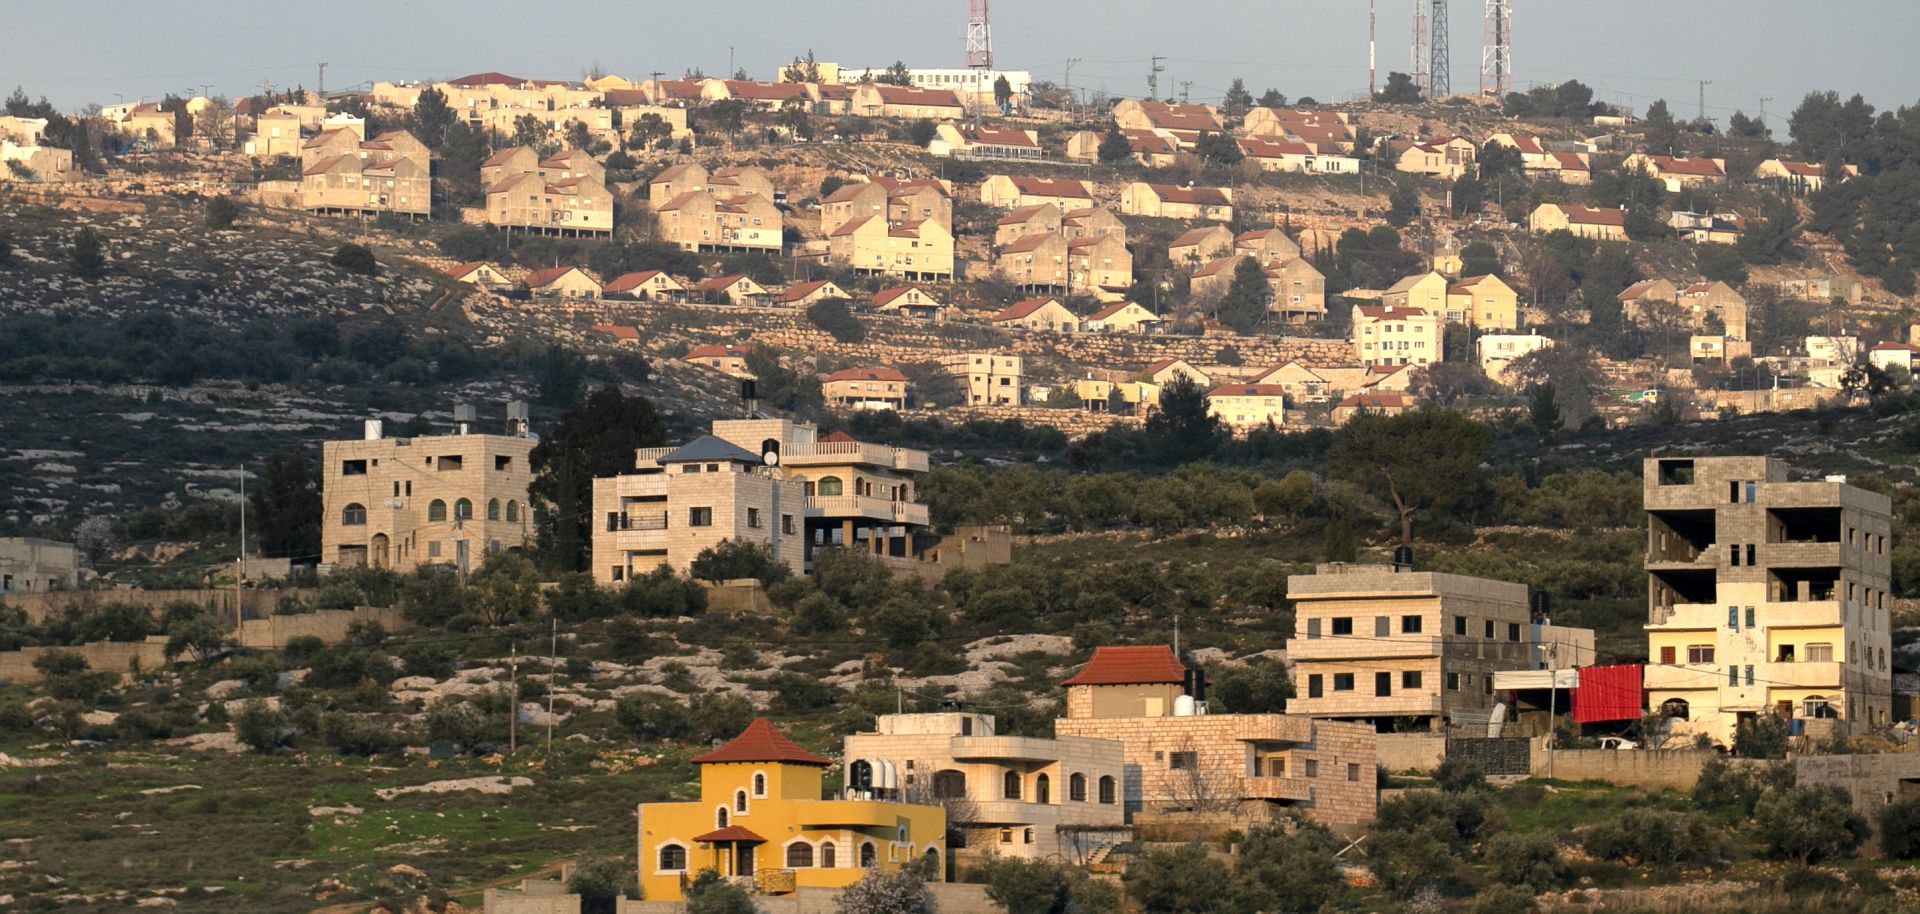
(103, 656)
(253, 603)
(1677, 769)
(550, 897)
(329, 625)
(271, 633)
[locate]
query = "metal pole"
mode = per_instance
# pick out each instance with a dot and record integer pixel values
(553, 661)
(240, 566)
(1553, 699)
(513, 698)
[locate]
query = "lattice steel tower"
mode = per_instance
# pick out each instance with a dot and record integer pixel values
(1496, 50)
(1440, 66)
(979, 36)
(1418, 68)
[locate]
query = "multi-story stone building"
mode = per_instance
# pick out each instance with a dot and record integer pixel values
(1375, 644)
(1025, 796)
(402, 503)
(920, 250)
(1385, 335)
(772, 482)
(1177, 755)
(574, 207)
(697, 221)
(1766, 597)
(33, 565)
(991, 378)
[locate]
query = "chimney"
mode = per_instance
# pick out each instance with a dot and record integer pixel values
(463, 417)
(1402, 558)
(373, 430)
(749, 397)
(517, 418)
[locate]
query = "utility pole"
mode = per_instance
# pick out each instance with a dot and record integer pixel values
(1071, 101)
(730, 70)
(1153, 77)
(553, 663)
(1702, 112)
(1763, 115)
(321, 89)
(1186, 87)
(240, 567)
(513, 699)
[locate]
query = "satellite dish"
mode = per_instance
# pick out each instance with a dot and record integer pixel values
(770, 452)
(395, 503)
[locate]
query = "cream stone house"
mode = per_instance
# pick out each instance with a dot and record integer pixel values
(403, 503)
(646, 285)
(991, 378)
(1601, 224)
(737, 289)
(1485, 303)
(1446, 157)
(1806, 177)
(1181, 755)
(1166, 201)
(1384, 335)
(1165, 371)
(1029, 798)
(727, 359)
(920, 251)
(348, 185)
(909, 301)
(1013, 192)
(1198, 246)
(562, 282)
(1676, 173)
(570, 207)
(699, 221)
(1043, 314)
(866, 388)
(1245, 407)
(983, 142)
(890, 199)
(1025, 221)
(1124, 317)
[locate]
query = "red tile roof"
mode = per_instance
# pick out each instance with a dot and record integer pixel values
(1204, 196)
(867, 374)
(1131, 666)
(1052, 187)
(1146, 142)
(1027, 243)
(1179, 117)
(800, 290)
(838, 437)
(1388, 312)
(730, 834)
(539, 278)
(1636, 290)
(489, 78)
(1021, 309)
(761, 742)
(1248, 390)
(1192, 237)
(908, 95)
(1375, 401)
(997, 136)
(627, 282)
(766, 91)
(466, 269)
(885, 296)
(624, 334)
(1270, 148)
(716, 352)
(1023, 214)
(1586, 215)
(1110, 311)
(1705, 168)
(719, 283)
(850, 226)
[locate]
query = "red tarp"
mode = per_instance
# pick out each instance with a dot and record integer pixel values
(1607, 693)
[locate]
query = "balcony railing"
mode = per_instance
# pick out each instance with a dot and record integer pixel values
(643, 521)
(1269, 788)
(869, 508)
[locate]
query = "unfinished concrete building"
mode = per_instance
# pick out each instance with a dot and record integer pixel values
(1765, 596)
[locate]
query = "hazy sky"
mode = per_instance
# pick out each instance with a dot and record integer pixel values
(1632, 51)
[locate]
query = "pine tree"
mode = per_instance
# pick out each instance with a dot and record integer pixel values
(1244, 307)
(1114, 147)
(85, 257)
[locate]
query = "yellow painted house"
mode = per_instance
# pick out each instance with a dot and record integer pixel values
(761, 819)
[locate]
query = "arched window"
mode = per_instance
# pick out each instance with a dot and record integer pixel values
(740, 801)
(513, 511)
(933, 862)
(826, 855)
(354, 515)
(1042, 790)
(1676, 708)
(1106, 789)
(829, 485)
(867, 855)
(799, 854)
(436, 511)
(949, 784)
(759, 784)
(720, 817)
(673, 858)
(493, 509)
(1077, 787)
(1010, 785)
(463, 510)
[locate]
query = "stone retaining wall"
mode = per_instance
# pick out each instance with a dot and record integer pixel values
(329, 625)
(254, 603)
(1656, 768)
(101, 656)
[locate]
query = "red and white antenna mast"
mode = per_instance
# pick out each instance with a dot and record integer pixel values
(1421, 62)
(979, 36)
(1496, 50)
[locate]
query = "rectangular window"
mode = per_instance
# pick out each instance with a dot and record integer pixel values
(1343, 626)
(1382, 626)
(1513, 631)
(1734, 555)
(450, 463)
(1819, 653)
(1489, 630)
(1383, 684)
(1750, 554)
(1410, 679)
(699, 517)
(1453, 682)
(1749, 617)
(433, 549)
(1733, 675)
(1409, 625)
(1353, 772)
(1313, 768)
(1752, 491)
(1313, 685)
(753, 518)
(1313, 628)
(1666, 656)
(1343, 682)
(502, 464)
(1460, 626)
(353, 468)
(1733, 618)
(1183, 761)
(1749, 674)
(786, 523)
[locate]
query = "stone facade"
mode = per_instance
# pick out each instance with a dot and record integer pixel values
(31, 565)
(405, 502)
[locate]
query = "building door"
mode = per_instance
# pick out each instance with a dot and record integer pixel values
(378, 551)
(743, 859)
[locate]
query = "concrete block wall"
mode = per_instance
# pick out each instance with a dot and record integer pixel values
(329, 625)
(254, 603)
(1677, 769)
(948, 898)
(1410, 751)
(101, 656)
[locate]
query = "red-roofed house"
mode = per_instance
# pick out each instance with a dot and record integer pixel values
(1377, 404)
(882, 100)
(697, 221)
(1447, 157)
(911, 301)
(969, 142)
(865, 388)
(920, 250)
(738, 289)
(1805, 177)
(625, 336)
(1025, 221)
(728, 359)
(804, 294)
(479, 273)
(561, 282)
(1276, 153)
(1045, 314)
(1009, 192)
(569, 207)
(1165, 371)
(646, 285)
(1124, 317)
(350, 185)
(1167, 201)
(1198, 246)
(1584, 222)
(1887, 356)
(1677, 173)
(1151, 149)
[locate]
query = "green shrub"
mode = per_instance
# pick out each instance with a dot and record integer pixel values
(352, 734)
(1650, 836)
(1900, 829)
(1530, 860)
(355, 258)
(651, 717)
(1502, 899)
(303, 647)
(257, 725)
(1810, 824)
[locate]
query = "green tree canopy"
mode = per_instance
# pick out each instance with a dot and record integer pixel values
(596, 438)
(1419, 461)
